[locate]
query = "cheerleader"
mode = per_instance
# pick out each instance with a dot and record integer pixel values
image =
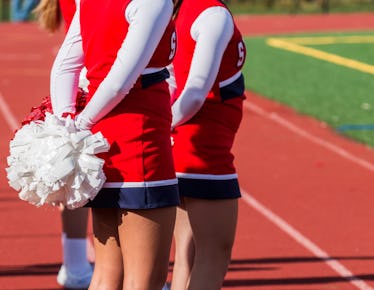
(208, 92)
(76, 270)
(125, 46)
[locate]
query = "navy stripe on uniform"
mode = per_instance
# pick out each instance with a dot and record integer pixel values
(233, 90)
(150, 79)
(209, 189)
(136, 197)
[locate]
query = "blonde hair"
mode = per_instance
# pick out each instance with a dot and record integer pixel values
(48, 14)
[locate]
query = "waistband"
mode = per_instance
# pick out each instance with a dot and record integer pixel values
(230, 80)
(151, 77)
(232, 87)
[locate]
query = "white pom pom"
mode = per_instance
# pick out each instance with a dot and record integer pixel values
(53, 162)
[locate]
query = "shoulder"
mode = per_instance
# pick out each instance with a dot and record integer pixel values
(154, 5)
(215, 17)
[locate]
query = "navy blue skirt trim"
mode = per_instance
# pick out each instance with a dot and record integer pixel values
(148, 80)
(136, 197)
(233, 90)
(209, 189)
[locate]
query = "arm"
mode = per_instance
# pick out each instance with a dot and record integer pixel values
(171, 80)
(139, 45)
(212, 31)
(66, 69)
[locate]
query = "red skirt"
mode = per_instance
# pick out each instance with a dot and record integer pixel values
(139, 165)
(202, 151)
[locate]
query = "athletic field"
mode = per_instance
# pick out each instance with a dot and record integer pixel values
(306, 216)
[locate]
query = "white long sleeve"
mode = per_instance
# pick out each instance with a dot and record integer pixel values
(212, 31)
(147, 23)
(65, 71)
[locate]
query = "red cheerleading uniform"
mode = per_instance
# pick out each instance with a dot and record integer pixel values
(134, 116)
(202, 144)
(67, 10)
(232, 60)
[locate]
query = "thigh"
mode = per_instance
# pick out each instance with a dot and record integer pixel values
(108, 257)
(185, 249)
(182, 231)
(74, 222)
(213, 222)
(145, 236)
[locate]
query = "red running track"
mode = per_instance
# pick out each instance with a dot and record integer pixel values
(298, 23)
(306, 215)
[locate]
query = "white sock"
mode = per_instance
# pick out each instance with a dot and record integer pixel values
(75, 254)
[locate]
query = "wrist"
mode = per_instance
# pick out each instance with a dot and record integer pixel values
(83, 123)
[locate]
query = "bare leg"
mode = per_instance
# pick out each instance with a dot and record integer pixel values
(74, 223)
(146, 237)
(184, 251)
(75, 242)
(76, 270)
(108, 272)
(213, 223)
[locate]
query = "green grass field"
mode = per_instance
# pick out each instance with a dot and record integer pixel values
(337, 87)
(332, 92)
(298, 6)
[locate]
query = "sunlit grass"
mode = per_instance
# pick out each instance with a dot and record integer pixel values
(332, 93)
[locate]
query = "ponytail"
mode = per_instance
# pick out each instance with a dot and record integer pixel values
(177, 5)
(48, 14)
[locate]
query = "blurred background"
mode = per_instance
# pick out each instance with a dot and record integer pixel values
(305, 58)
(299, 6)
(270, 6)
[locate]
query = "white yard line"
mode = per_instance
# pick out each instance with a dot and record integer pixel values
(9, 117)
(286, 227)
(305, 242)
(308, 136)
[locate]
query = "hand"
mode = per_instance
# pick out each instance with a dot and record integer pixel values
(82, 123)
(66, 114)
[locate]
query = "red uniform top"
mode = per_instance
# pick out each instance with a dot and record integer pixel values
(124, 46)
(108, 26)
(67, 10)
(232, 60)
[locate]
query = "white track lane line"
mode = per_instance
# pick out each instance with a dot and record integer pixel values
(283, 225)
(8, 115)
(301, 132)
(335, 265)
